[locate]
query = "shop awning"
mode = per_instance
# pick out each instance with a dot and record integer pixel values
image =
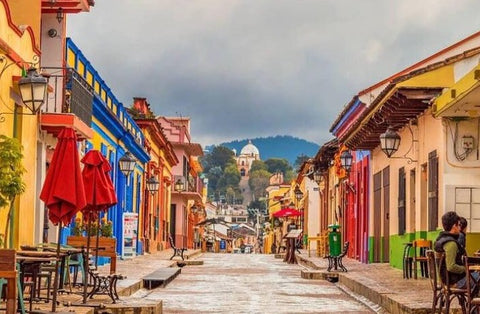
(404, 99)
(462, 99)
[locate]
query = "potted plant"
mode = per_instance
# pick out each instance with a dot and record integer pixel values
(11, 181)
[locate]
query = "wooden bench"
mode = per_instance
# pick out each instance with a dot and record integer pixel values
(335, 262)
(107, 247)
(102, 283)
(176, 251)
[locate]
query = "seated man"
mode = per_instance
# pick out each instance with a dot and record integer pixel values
(447, 242)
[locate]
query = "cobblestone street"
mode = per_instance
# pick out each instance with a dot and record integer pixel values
(250, 283)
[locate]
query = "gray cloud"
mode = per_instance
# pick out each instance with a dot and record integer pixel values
(248, 68)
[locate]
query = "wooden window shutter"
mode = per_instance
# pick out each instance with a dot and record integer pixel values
(432, 191)
(402, 215)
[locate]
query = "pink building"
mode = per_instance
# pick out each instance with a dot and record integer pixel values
(187, 192)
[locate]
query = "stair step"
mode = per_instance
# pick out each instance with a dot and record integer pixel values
(160, 277)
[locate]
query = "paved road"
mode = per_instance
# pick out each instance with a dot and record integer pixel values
(250, 283)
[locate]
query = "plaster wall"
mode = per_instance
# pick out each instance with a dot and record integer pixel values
(26, 126)
(313, 210)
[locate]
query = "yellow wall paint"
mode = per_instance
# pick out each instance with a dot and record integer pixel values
(27, 126)
(81, 68)
(71, 58)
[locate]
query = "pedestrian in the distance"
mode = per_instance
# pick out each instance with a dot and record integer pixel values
(462, 223)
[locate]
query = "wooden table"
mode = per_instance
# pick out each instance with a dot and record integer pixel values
(31, 265)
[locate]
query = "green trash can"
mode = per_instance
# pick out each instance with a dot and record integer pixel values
(334, 240)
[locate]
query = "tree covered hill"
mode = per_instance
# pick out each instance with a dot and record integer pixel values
(280, 146)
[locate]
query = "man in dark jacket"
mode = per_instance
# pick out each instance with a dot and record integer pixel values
(447, 242)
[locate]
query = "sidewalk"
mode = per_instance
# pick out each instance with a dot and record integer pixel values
(379, 282)
(134, 269)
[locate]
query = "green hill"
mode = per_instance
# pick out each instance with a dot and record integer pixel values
(280, 146)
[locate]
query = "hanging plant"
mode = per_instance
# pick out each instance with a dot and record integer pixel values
(11, 172)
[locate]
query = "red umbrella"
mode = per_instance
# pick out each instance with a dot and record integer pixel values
(287, 212)
(99, 191)
(63, 190)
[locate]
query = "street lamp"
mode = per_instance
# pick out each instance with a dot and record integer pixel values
(346, 160)
(33, 89)
(298, 193)
(127, 164)
(317, 176)
(389, 142)
(152, 185)
(179, 185)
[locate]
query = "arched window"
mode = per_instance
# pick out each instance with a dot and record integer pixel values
(243, 162)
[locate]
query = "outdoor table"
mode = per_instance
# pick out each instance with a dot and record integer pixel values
(31, 264)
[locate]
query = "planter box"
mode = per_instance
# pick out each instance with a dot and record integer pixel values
(106, 247)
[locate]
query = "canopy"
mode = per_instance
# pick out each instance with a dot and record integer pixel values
(287, 212)
(63, 190)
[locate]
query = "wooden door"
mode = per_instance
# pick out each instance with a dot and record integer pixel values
(432, 191)
(377, 216)
(386, 214)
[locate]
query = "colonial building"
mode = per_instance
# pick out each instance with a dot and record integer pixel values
(247, 156)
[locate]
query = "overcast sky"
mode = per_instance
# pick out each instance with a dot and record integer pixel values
(255, 68)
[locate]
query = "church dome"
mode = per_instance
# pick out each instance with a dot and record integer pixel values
(249, 149)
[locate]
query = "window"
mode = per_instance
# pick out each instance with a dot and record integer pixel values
(467, 204)
(432, 191)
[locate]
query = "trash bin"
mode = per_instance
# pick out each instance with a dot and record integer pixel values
(334, 240)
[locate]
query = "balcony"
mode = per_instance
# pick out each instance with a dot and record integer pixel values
(193, 188)
(69, 105)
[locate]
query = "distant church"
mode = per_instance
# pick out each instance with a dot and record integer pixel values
(248, 154)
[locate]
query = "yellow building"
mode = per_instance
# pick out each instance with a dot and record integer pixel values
(19, 49)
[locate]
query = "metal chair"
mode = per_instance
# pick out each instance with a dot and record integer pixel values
(473, 300)
(419, 248)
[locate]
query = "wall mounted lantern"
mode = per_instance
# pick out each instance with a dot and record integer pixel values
(298, 193)
(127, 164)
(33, 90)
(152, 185)
(346, 159)
(317, 176)
(179, 185)
(60, 15)
(389, 142)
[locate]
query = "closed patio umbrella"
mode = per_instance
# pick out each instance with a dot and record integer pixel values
(100, 194)
(63, 190)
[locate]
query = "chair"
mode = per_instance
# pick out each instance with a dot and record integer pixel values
(419, 248)
(449, 292)
(407, 261)
(437, 301)
(473, 300)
